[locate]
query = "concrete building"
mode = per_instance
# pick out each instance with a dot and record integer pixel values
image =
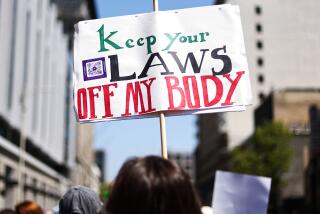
(211, 153)
(313, 175)
(280, 55)
(292, 107)
(101, 163)
(186, 161)
(85, 171)
(35, 108)
(314, 115)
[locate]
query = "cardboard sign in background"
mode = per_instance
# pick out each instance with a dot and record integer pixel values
(181, 62)
(240, 194)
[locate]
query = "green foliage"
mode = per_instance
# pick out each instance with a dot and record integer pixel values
(268, 154)
(105, 190)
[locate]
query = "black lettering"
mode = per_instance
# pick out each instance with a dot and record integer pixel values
(114, 67)
(227, 65)
(190, 57)
(148, 65)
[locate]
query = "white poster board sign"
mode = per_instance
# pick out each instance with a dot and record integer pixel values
(240, 194)
(178, 62)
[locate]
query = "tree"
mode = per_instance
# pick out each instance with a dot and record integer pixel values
(105, 190)
(268, 153)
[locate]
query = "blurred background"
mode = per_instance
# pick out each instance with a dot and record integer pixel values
(44, 151)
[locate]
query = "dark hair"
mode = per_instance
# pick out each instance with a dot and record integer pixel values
(29, 207)
(7, 211)
(152, 185)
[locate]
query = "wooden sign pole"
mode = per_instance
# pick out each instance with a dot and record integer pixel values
(164, 150)
(155, 5)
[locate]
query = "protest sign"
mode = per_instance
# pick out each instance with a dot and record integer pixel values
(240, 194)
(186, 61)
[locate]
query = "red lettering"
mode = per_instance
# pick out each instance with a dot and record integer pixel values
(148, 83)
(82, 103)
(107, 94)
(92, 95)
(195, 91)
(219, 90)
(136, 94)
(233, 86)
(174, 86)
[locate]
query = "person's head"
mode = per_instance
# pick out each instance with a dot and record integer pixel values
(80, 200)
(152, 185)
(28, 207)
(7, 211)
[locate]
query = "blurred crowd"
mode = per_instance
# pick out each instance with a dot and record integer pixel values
(143, 186)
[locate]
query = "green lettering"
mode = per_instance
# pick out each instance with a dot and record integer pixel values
(151, 40)
(192, 39)
(172, 39)
(202, 35)
(107, 40)
(140, 42)
(183, 39)
(129, 43)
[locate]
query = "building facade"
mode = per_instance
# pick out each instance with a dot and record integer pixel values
(85, 171)
(313, 174)
(292, 107)
(211, 153)
(186, 161)
(101, 163)
(280, 55)
(37, 129)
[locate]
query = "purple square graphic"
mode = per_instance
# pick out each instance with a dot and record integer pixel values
(94, 69)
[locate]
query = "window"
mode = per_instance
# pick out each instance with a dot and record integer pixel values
(12, 53)
(9, 187)
(39, 9)
(47, 28)
(44, 106)
(25, 183)
(262, 97)
(26, 54)
(260, 62)
(34, 187)
(259, 44)
(43, 188)
(36, 82)
(258, 27)
(261, 78)
(0, 22)
(0, 6)
(258, 10)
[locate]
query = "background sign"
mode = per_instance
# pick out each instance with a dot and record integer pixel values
(240, 194)
(181, 62)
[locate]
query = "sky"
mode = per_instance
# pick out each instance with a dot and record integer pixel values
(140, 137)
